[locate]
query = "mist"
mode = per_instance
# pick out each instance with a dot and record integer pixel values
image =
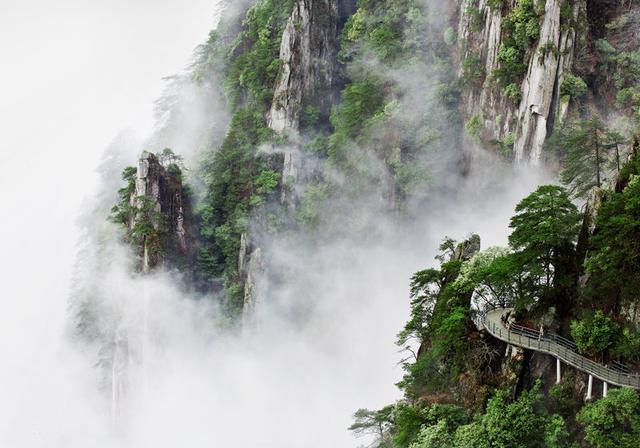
(322, 343)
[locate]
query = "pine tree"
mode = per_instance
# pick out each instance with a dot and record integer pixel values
(586, 147)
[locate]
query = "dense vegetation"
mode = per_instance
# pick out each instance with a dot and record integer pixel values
(238, 178)
(460, 389)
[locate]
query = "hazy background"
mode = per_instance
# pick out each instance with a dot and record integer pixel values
(74, 73)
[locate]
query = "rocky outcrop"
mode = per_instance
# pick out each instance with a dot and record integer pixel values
(251, 268)
(158, 223)
(308, 52)
(467, 249)
(254, 273)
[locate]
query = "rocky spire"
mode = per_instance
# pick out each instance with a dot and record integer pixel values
(308, 75)
(159, 218)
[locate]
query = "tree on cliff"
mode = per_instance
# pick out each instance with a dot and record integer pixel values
(586, 146)
(614, 421)
(545, 228)
(613, 262)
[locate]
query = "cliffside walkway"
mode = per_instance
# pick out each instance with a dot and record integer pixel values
(563, 349)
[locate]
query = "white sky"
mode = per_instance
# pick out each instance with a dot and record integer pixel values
(73, 74)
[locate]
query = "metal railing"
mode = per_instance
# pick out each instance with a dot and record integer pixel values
(555, 345)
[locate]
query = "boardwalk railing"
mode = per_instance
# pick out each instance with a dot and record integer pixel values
(555, 345)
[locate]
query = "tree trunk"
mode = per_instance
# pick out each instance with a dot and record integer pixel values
(597, 161)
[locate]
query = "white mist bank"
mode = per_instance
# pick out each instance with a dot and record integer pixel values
(74, 74)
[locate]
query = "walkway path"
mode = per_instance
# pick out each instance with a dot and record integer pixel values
(555, 345)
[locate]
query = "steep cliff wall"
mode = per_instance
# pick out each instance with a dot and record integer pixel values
(309, 72)
(158, 222)
(519, 115)
(308, 83)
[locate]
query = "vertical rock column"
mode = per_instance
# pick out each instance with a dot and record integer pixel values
(308, 77)
(308, 51)
(161, 207)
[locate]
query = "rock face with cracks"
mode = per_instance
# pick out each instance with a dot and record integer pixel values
(309, 71)
(531, 117)
(161, 212)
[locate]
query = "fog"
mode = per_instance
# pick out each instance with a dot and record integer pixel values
(323, 344)
(74, 74)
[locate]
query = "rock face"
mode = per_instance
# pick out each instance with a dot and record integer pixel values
(532, 120)
(160, 212)
(538, 88)
(254, 273)
(309, 70)
(309, 75)
(496, 110)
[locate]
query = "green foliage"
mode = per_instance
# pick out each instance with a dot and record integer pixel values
(473, 72)
(596, 333)
(521, 29)
(477, 18)
(613, 262)
(512, 91)
(409, 176)
(138, 215)
(439, 315)
(453, 416)
(562, 396)
(613, 421)
(629, 97)
(170, 160)
(449, 36)
(310, 210)
(544, 220)
(619, 73)
(470, 436)
(264, 184)
(408, 421)
(548, 48)
(376, 423)
(360, 101)
(522, 423)
(573, 86)
(424, 293)
(511, 65)
(496, 279)
(505, 145)
(566, 15)
(495, 4)
(237, 179)
(586, 146)
(253, 63)
(380, 27)
(473, 127)
(310, 117)
(506, 423)
(361, 108)
(434, 436)
(121, 213)
(545, 228)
